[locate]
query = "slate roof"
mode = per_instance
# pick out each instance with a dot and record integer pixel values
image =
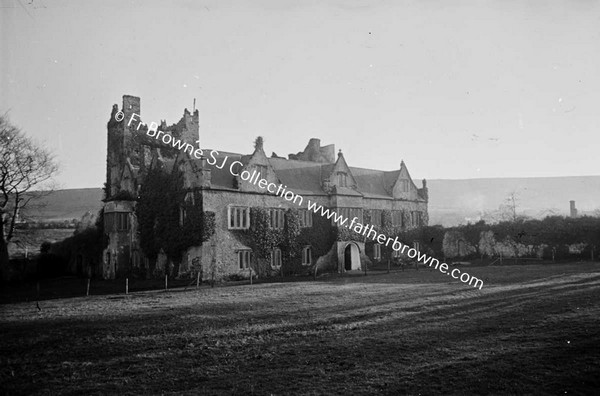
(306, 177)
(374, 183)
(302, 177)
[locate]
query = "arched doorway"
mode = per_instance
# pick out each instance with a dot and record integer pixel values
(351, 257)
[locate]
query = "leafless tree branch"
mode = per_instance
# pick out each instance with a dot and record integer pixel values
(24, 166)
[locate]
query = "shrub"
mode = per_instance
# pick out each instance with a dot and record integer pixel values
(235, 278)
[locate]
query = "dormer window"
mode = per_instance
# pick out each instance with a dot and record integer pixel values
(404, 185)
(342, 179)
(262, 170)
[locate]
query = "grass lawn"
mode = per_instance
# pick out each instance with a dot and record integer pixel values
(531, 329)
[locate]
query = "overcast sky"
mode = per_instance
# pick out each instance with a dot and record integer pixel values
(458, 89)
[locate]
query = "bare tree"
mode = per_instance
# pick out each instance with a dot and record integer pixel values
(491, 216)
(24, 165)
(508, 210)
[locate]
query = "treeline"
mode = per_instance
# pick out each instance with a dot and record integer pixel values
(555, 237)
(79, 254)
(49, 225)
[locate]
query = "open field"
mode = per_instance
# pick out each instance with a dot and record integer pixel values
(531, 329)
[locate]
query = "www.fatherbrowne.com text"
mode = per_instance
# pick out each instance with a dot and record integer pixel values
(254, 178)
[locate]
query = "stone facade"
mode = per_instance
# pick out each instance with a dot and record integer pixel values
(315, 174)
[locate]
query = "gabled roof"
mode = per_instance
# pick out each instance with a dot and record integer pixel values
(307, 177)
(302, 177)
(374, 183)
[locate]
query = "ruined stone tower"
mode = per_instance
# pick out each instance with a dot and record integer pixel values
(123, 160)
(129, 155)
(124, 153)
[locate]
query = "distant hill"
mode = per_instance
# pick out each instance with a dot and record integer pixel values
(67, 204)
(451, 202)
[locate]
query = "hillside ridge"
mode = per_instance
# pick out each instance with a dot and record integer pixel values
(452, 201)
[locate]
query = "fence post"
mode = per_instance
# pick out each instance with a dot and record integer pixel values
(166, 284)
(198, 280)
(87, 289)
(126, 285)
(250, 270)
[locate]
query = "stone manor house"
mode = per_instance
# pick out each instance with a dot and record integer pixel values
(316, 173)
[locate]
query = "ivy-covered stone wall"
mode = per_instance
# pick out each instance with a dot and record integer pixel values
(170, 219)
(224, 245)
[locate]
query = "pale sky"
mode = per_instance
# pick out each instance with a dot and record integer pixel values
(457, 89)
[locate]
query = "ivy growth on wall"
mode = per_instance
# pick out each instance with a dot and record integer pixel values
(320, 236)
(159, 210)
(291, 240)
(291, 245)
(262, 238)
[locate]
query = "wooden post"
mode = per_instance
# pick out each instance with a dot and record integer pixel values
(250, 270)
(198, 280)
(126, 285)
(315, 276)
(87, 289)
(166, 284)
